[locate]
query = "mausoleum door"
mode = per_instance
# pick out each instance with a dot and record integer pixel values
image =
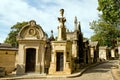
(30, 60)
(59, 61)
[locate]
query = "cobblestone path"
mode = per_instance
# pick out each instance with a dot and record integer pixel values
(100, 72)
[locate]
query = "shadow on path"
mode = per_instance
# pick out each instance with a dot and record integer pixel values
(102, 68)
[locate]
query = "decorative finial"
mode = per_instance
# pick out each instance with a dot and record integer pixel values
(52, 37)
(51, 31)
(75, 21)
(79, 26)
(79, 23)
(32, 23)
(61, 12)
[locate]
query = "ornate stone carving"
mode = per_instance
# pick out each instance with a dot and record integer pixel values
(32, 23)
(32, 31)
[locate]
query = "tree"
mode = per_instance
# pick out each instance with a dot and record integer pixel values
(110, 11)
(107, 27)
(11, 39)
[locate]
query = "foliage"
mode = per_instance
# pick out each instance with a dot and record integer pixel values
(11, 39)
(110, 10)
(106, 28)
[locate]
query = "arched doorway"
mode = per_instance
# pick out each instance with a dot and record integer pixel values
(30, 60)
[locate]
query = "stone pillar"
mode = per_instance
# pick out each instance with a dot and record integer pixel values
(21, 60)
(37, 69)
(92, 54)
(43, 61)
(52, 68)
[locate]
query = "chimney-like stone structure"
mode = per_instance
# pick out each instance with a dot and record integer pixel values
(75, 23)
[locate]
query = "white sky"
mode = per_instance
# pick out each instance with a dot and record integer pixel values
(45, 13)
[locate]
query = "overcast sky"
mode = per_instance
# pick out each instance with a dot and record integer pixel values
(45, 13)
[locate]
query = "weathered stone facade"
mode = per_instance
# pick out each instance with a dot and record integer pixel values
(103, 53)
(32, 48)
(76, 37)
(7, 57)
(94, 51)
(61, 57)
(87, 55)
(114, 52)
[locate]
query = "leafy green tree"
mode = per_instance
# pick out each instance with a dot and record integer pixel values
(110, 11)
(11, 38)
(107, 27)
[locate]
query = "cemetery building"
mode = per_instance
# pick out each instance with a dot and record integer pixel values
(39, 54)
(87, 55)
(104, 53)
(94, 51)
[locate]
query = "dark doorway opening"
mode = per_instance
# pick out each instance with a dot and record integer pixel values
(30, 60)
(60, 61)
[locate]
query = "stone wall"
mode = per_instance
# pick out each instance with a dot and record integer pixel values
(7, 59)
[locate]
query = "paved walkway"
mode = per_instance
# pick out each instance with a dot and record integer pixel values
(115, 73)
(99, 72)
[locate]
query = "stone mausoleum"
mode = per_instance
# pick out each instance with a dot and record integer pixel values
(39, 54)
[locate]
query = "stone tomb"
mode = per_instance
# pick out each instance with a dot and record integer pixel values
(31, 51)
